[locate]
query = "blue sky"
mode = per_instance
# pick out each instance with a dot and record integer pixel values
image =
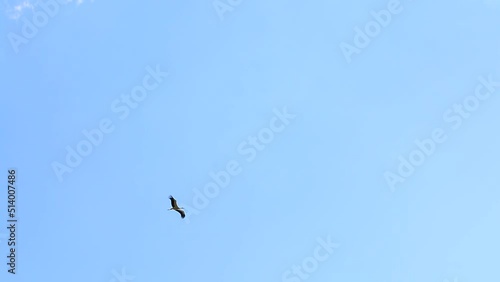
(209, 77)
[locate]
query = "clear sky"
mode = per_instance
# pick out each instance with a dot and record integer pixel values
(307, 113)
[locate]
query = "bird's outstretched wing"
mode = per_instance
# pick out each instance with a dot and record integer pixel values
(183, 215)
(173, 202)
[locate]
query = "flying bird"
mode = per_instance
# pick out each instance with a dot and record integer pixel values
(176, 208)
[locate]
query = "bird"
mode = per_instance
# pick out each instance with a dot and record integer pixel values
(175, 207)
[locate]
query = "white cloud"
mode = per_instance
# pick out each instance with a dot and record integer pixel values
(78, 2)
(15, 11)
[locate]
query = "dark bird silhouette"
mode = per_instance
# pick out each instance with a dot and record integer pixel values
(176, 208)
